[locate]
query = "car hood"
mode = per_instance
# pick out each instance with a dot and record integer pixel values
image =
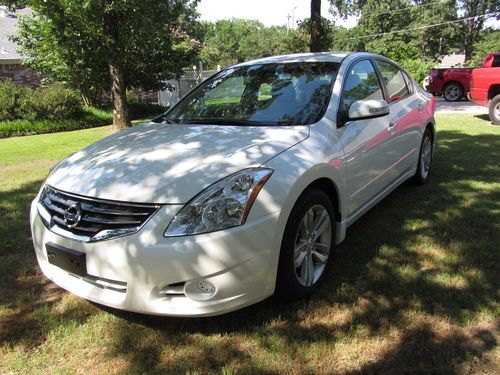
(169, 163)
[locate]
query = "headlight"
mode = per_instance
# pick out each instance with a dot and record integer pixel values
(222, 205)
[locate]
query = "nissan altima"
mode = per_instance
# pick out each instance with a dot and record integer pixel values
(240, 190)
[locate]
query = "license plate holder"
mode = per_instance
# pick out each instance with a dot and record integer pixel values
(67, 259)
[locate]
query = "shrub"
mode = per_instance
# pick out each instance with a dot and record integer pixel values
(141, 110)
(132, 97)
(13, 100)
(419, 69)
(54, 102)
(91, 117)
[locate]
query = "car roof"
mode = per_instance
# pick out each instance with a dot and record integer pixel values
(300, 57)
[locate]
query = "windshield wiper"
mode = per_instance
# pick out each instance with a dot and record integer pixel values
(224, 122)
(164, 118)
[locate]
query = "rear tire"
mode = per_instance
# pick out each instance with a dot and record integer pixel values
(494, 110)
(424, 159)
(307, 246)
(453, 92)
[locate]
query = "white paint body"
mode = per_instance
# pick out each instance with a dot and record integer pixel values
(169, 164)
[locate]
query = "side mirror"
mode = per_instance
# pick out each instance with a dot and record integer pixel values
(363, 109)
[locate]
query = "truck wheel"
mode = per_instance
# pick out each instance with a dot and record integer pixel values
(494, 109)
(453, 92)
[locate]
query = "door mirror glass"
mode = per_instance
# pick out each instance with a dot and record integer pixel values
(372, 108)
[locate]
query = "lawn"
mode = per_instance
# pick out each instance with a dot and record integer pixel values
(414, 287)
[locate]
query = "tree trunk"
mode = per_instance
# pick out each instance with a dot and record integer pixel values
(315, 26)
(121, 118)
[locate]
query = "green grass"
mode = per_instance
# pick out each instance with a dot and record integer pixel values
(413, 289)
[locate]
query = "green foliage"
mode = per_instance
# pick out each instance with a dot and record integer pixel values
(132, 97)
(49, 102)
(418, 69)
(67, 41)
(12, 100)
(227, 42)
(490, 42)
(470, 30)
(380, 16)
(91, 117)
(74, 58)
(54, 102)
(400, 46)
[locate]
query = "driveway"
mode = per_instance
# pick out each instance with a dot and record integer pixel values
(463, 107)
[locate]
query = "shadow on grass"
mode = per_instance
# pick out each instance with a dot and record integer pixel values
(422, 255)
(25, 295)
(483, 116)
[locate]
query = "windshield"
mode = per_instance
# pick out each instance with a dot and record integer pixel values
(265, 94)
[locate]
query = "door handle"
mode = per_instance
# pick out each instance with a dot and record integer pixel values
(392, 126)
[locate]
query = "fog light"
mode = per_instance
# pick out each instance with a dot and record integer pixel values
(200, 290)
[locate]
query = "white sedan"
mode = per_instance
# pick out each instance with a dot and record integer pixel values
(241, 190)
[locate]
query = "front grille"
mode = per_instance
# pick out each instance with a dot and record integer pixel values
(92, 219)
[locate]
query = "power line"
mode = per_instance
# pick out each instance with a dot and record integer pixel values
(403, 9)
(425, 26)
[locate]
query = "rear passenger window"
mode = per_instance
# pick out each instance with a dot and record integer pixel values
(394, 81)
(362, 83)
(496, 61)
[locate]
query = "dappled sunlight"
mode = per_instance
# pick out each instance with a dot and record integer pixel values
(169, 163)
(413, 288)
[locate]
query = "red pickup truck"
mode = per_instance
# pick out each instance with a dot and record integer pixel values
(454, 83)
(485, 86)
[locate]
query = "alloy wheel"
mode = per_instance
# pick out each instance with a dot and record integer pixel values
(452, 93)
(312, 245)
(426, 156)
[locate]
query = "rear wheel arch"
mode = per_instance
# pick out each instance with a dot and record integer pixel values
(432, 129)
(493, 91)
(453, 82)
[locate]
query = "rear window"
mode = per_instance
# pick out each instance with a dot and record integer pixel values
(496, 61)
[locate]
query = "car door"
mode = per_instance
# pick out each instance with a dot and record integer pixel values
(405, 118)
(367, 143)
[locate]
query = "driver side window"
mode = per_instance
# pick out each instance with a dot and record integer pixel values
(362, 83)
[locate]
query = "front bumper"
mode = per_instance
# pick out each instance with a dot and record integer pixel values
(148, 273)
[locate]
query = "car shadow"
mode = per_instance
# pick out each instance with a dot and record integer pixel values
(422, 259)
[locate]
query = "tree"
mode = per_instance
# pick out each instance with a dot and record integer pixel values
(132, 43)
(471, 28)
(489, 42)
(78, 62)
(227, 42)
(14, 4)
(315, 26)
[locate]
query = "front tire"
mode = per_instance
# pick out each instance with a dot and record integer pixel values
(307, 246)
(494, 110)
(424, 159)
(453, 92)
